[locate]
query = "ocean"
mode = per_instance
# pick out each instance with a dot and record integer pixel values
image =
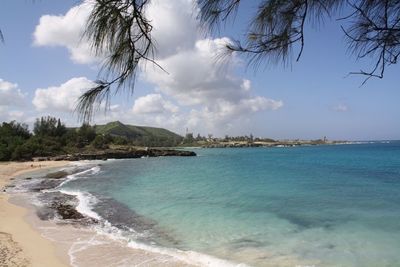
(319, 206)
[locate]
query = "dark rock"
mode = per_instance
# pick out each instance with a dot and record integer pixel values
(45, 185)
(62, 206)
(28, 178)
(67, 212)
(124, 154)
(57, 175)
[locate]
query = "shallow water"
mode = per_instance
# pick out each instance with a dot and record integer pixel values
(321, 206)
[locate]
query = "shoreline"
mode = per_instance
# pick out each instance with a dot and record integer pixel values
(27, 240)
(21, 244)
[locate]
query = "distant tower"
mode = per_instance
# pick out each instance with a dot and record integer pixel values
(325, 139)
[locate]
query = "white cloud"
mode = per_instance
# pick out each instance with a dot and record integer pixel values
(174, 29)
(61, 98)
(8, 115)
(153, 103)
(12, 101)
(341, 108)
(16, 115)
(216, 95)
(246, 85)
(208, 93)
(227, 116)
(212, 91)
(10, 94)
(174, 26)
(66, 31)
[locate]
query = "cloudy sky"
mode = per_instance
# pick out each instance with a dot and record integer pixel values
(45, 66)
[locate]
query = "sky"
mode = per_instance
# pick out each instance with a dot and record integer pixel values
(45, 65)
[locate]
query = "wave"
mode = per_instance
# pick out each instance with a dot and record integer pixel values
(189, 257)
(79, 175)
(86, 206)
(86, 201)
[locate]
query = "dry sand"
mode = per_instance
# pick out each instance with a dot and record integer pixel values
(20, 244)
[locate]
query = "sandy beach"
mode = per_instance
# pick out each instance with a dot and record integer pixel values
(20, 244)
(25, 240)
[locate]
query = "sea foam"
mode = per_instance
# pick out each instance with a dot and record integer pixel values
(105, 228)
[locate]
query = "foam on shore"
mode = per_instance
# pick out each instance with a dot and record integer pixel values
(107, 235)
(85, 206)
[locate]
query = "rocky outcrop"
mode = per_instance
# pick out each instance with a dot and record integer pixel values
(57, 175)
(67, 212)
(57, 205)
(120, 154)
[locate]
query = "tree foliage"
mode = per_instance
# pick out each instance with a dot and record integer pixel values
(119, 30)
(372, 28)
(49, 126)
(14, 128)
(375, 31)
(86, 134)
(12, 135)
(52, 138)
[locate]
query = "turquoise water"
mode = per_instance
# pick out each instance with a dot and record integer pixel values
(301, 206)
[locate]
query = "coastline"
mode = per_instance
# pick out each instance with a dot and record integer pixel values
(27, 240)
(20, 244)
(101, 243)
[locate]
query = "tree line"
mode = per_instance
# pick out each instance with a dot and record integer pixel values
(50, 137)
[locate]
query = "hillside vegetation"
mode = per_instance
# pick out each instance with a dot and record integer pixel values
(140, 135)
(50, 137)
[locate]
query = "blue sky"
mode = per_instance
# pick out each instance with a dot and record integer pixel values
(42, 71)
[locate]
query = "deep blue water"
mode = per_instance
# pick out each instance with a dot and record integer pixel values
(321, 205)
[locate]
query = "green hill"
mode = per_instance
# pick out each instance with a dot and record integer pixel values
(141, 135)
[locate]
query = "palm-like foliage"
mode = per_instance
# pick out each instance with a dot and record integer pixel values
(375, 31)
(278, 26)
(118, 30)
